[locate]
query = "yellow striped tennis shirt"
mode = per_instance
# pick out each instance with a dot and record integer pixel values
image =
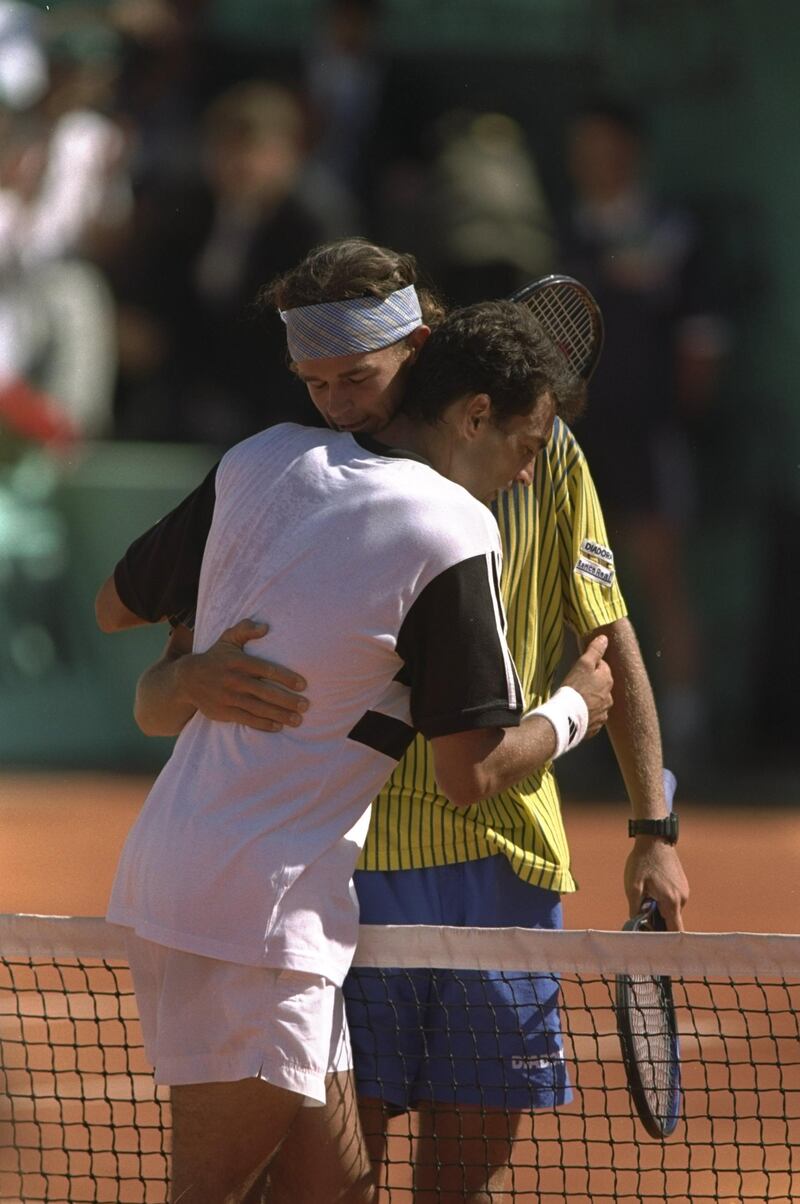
(557, 571)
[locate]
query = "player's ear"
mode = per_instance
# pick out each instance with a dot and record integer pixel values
(417, 339)
(477, 409)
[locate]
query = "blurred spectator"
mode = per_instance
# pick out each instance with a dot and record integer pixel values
(197, 361)
(344, 79)
(63, 186)
(161, 77)
(23, 66)
(492, 231)
(643, 260)
(62, 183)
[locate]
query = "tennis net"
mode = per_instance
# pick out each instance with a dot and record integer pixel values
(81, 1120)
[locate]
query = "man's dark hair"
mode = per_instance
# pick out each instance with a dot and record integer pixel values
(347, 268)
(494, 347)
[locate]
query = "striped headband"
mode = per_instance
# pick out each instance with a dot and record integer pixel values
(347, 327)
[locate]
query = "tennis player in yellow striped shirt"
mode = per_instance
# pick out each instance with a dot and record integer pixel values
(477, 1051)
(506, 862)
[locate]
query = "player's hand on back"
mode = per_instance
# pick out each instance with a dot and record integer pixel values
(591, 677)
(227, 684)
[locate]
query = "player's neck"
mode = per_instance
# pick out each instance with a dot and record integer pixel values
(431, 443)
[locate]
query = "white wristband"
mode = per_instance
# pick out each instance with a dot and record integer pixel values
(568, 715)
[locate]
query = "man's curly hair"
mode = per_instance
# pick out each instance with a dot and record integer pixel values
(493, 347)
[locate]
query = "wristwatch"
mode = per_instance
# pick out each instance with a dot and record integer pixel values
(667, 828)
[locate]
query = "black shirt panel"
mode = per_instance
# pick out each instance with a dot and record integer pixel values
(456, 659)
(158, 576)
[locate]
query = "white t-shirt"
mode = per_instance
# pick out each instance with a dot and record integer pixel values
(380, 582)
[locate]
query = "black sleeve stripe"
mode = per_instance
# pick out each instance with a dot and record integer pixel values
(453, 644)
(513, 687)
(383, 733)
(158, 576)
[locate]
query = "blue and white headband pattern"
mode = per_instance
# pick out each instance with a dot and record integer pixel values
(348, 327)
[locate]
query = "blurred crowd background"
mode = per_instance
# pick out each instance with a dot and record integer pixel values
(161, 160)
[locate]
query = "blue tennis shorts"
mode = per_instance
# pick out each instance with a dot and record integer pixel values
(457, 1037)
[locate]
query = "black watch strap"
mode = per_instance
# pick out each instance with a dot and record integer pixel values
(667, 828)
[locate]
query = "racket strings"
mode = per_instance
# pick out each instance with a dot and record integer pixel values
(647, 1004)
(568, 320)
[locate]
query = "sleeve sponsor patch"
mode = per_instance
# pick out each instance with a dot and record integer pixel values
(597, 550)
(594, 572)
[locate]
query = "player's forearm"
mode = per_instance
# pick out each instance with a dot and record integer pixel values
(471, 766)
(633, 723)
(162, 706)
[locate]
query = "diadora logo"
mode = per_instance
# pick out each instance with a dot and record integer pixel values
(597, 549)
(521, 1063)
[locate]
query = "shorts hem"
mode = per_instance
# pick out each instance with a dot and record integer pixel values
(518, 1099)
(186, 1071)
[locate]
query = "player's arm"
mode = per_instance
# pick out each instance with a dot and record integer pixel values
(474, 765)
(465, 695)
(224, 683)
(593, 604)
(161, 707)
(653, 868)
(111, 612)
(158, 577)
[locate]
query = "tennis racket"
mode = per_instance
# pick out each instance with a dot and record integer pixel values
(570, 316)
(648, 1030)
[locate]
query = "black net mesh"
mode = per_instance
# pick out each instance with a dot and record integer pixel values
(81, 1120)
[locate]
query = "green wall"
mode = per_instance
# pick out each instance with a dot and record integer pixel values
(78, 711)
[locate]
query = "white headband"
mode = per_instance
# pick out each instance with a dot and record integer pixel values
(347, 327)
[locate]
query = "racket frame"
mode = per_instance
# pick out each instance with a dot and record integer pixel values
(649, 919)
(555, 283)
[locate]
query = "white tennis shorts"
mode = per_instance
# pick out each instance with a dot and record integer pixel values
(210, 1021)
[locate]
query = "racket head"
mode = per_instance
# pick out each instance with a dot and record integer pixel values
(570, 316)
(648, 1035)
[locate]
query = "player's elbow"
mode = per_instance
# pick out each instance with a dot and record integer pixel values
(464, 789)
(108, 608)
(102, 612)
(464, 784)
(466, 766)
(152, 723)
(145, 721)
(110, 612)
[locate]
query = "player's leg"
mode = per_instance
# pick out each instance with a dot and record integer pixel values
(386, 1009)
(222, 1136)
(463, 1155)
(241, 1047)
(494, 1050)
(375, 1118)
(495, 1056)
(324, 1156)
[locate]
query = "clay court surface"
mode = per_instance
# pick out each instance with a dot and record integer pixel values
(59, 839)
(60, 835)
